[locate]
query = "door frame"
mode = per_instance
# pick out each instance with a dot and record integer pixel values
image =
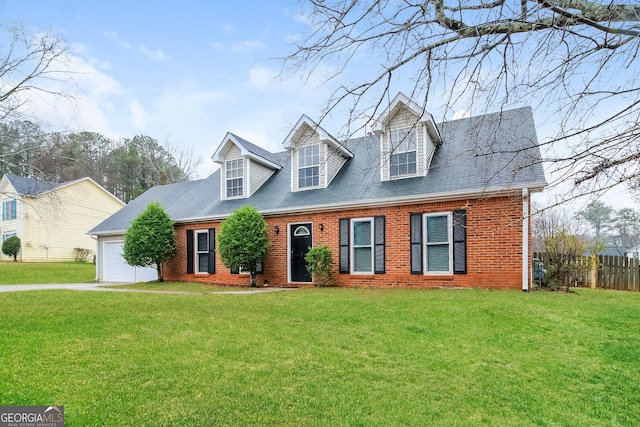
(289, 236)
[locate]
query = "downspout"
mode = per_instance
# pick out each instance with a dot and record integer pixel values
(525, 240)
(96, 254)
(22, 229)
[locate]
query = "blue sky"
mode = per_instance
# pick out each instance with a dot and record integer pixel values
(185, 72)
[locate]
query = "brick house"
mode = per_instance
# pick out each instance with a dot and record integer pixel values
(415, 203)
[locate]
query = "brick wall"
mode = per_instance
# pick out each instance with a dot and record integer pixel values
(494, 247)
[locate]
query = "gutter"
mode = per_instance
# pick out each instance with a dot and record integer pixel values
(392, 201)
(525, 240)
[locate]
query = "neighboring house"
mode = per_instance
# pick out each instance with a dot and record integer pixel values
(610, 251)
(52, 219)
(413, 204)
(634, 252)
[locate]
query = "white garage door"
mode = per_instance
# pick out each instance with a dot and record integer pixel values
(116, 269)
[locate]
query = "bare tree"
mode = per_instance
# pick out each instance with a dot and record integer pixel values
(574, 60)
(27, 62)
(548, 223)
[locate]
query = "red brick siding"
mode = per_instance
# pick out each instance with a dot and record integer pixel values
(494, 247)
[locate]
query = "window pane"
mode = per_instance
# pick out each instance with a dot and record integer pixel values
(403, 140)
(308, 166)
(362, 233)
(438, 258)
(308, 177)
(234, 187)
(362, 260)
(203, 242)
(403, 163)
(437, 229)
(203, 263)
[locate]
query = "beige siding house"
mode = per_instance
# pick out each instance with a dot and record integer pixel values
(52, 219)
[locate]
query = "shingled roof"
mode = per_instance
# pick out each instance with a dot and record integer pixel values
(482, 155)
(30, 186)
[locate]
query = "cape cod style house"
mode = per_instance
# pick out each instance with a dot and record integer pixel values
(415, 203)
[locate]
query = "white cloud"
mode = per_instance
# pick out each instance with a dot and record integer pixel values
(138, 115)
(246, 45)
(227, 28)
(261, 78)
(154, 55)
(461, 114)
(242, 46)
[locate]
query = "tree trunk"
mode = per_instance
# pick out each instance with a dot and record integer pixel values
(159, 269)
(253, 278)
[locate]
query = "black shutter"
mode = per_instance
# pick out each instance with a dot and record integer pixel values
(211, 262)
(190, 264)
(378, 237)
(260, 267)
(415, 231)
(235, 270)
(344, 245)
(460, 241)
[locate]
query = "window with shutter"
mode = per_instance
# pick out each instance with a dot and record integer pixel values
(438, 249)
(202, 251)
(438, 243)
(362, 245)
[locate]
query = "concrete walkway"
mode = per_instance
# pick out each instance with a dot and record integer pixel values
(102, 287)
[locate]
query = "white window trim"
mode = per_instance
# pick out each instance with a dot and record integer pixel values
(320, 171)
(8, 234)
(242, 177)
(9, 200)
(425, 243)
(393, 151)
(352, 245)
(197, 253)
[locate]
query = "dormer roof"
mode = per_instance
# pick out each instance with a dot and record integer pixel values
(324, 136)
(248, 149)
(402, 101)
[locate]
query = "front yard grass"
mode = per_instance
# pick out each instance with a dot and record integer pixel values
(325, 357)
(19, 273)
(180, 286)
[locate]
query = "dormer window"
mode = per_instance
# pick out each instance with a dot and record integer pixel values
(404, 153)
(408, 139)
(235, 172)
(309, 166)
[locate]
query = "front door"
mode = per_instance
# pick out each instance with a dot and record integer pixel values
(300, 244)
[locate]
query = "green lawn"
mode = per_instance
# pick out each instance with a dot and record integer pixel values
(181, 286)
(18, 273)
(325, 357)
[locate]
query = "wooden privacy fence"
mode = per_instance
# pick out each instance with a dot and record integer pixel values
(601, 271)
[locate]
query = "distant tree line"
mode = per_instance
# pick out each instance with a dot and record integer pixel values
(126, 167)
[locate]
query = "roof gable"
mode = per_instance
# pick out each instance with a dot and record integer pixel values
(402, 101)
(305, 122)
(246, 149)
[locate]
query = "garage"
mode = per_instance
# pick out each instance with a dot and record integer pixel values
(116, 269)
